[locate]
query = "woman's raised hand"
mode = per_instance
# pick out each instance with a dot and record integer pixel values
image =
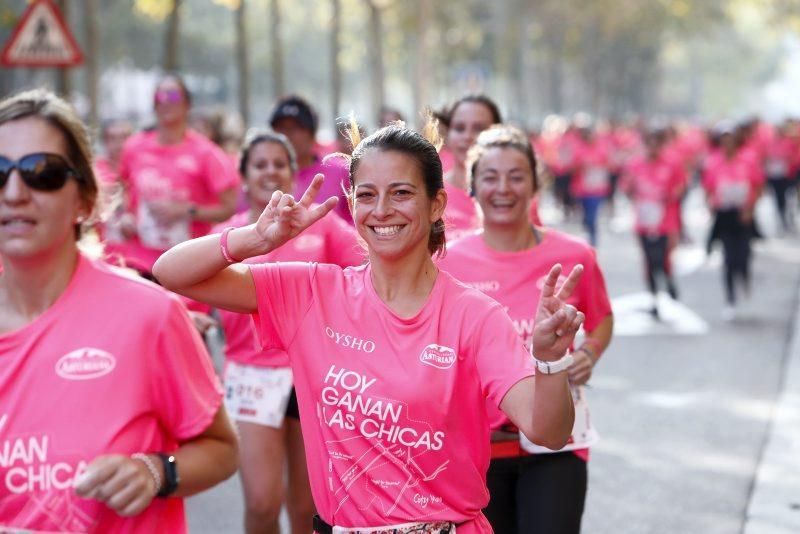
(284, 217)
(556, 321)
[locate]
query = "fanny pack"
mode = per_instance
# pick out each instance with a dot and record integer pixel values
(424, 527)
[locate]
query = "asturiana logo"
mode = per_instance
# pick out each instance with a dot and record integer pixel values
(438, 356)
(85, 364)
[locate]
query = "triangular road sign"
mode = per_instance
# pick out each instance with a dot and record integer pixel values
(41, 39)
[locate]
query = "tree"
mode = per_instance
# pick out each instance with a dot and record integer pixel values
(276, 49)
(242, 61)
(172, 37)
(92, 60)
(335, 47)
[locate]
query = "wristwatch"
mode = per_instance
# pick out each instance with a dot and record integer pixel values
(551, 368)
(171, 478)
(192, 211)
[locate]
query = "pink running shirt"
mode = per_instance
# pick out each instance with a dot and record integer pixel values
(655, 187)
(88, 378)
(393, 409)
(329, 240)
(194, 170)
(731, 183)
(515, 280)
(593, 175)
(461, 216)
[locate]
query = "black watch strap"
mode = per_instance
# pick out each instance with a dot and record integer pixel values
(171, 478)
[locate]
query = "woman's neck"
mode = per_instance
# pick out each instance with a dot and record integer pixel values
(505, 238)
(30, 286)
(404, 285)
(171, 134)
(457, 176)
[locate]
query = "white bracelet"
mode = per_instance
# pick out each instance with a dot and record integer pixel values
(551, 368)
(150, 467)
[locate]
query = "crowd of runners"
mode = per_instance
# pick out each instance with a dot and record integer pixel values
(399, 324)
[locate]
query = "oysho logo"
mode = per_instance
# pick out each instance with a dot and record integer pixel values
(486, 286)
(438, 356)
(351, 342)
(85, 364)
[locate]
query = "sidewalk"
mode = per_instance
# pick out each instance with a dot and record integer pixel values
(774, 506)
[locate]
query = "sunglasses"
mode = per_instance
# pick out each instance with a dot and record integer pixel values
(41, 171)
(168, 96)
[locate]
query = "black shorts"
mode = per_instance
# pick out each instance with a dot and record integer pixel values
(292, 409)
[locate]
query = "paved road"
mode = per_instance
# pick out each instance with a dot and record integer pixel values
(683, 406)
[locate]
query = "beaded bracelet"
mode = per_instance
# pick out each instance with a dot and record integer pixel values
(150, 467)
(223, 245)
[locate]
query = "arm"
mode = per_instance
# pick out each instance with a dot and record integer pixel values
(197, 268)
(541, 406)
(127, 486)
(219, 212)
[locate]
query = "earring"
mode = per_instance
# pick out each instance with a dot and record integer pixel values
(80, 219)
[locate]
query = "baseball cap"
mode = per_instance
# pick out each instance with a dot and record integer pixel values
(295, 107)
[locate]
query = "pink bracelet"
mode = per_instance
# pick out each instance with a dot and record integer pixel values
(223, 245)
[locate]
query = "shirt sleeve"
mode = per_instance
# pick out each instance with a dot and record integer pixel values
(341, 242)
(501, 358)
(594, 303)
(187, 393)
(284, 295)
(220, 173)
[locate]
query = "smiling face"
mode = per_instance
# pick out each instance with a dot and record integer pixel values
(504, 186)
(34, 222)
(391, 207)
(268, 170)
(469, 119)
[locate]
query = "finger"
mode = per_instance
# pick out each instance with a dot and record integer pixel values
(549, 287)
(571, 283)
(549, 325)
(136, 506)
(570, 312)
(311, 193)
(322, 210)
(284, 202)
(127, 494)
(96, 474)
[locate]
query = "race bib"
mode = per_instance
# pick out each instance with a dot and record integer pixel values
(434, 527)
(583, 433)
(158, 235)
(596, 178)
(649, 214)
(777, 168)
(257, 394)
(733, 194)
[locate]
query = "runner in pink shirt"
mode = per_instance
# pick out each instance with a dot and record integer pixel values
(464, 119)
(178, 182)
(655, 184)
(385, 356)
(258, 381)
(509, 261)
(295, 118)
(591, 183)
(780, 167)
(108, 415)
(733, 182)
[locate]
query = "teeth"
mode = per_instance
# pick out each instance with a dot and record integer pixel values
(386, 230)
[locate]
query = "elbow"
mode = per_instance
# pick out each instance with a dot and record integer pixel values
(554, 438)
(231, 461)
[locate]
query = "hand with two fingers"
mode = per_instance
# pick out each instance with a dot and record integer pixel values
(284, 217)
(124, 484)
(556, 321)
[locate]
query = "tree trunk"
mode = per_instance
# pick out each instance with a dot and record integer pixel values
(276, 47)
(422, 71)
(376, 73)
(171, 40)
(336, 71)
(63, 80)
(92, 61)
(242, 62)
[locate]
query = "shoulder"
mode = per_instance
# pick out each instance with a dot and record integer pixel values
(118, 285)
(570, 246)
(465, 243)
(465, 299)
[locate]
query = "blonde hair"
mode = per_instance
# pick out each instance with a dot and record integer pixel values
(61, 115)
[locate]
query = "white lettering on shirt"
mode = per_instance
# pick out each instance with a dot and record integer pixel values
(485, 286)
(28, 469)
(349, 341)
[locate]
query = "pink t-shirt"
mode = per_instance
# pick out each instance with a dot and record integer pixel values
(593, 175)
(89, 377)
(329, 240)
(515, 280)
(732, 183)
(393, 409)
(655, 187)
(194, 170)
(461, 215)
(781, 158)
(336, 182)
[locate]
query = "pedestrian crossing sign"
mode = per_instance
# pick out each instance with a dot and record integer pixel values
(41, 39)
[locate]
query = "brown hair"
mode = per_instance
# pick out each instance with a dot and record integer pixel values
(422, 148)
(61, 115)
(256, 136)
(501, 136)
(446, 115)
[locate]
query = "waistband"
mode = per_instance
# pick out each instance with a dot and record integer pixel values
(433, 527)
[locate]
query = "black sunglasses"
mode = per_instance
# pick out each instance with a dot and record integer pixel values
(41, 171)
